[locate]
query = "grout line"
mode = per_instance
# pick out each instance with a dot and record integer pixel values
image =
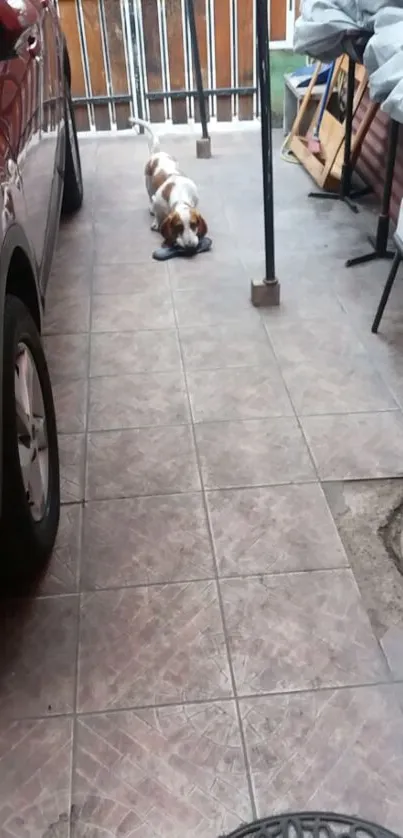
(80, 558)
(195, 702)
(277, 418)
(195, 580)
(249, 486)
(248, 772)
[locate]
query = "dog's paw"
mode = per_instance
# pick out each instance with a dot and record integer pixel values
(151, 209)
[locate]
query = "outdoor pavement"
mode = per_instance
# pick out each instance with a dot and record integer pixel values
(204, 648)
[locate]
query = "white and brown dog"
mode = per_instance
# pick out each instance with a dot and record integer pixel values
(173, 197)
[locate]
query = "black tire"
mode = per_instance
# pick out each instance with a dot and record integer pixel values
(73, 190)
(26, 544)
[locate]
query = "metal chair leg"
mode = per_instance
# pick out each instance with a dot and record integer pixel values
(386, 291)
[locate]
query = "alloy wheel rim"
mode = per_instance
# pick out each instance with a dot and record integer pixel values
(32, 437)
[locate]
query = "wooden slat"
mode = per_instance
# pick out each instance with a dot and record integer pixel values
(176, 58)
(117, 58)
(372, 159)
(96, 59)
(152, 50)
(200, 15)
(245, 55)
(278, 20)
(222, 28)
(68, 15)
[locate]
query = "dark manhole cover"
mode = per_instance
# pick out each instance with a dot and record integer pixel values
(392, 536)
(311, 825)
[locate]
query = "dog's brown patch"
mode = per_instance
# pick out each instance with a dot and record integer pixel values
(151, 167)
(158, 180)
(198, 223)
(166, 192)
(172, 227)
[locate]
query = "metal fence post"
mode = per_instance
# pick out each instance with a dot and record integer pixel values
(266, 292)
(203, 146)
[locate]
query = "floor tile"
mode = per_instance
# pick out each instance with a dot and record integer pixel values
(67, 316)
(69, 280)
(146, 461)
(206, 306)
(38, 656)
(150, 309)
(61, 575)
(338, 751)
(159, 644)
(326, 369)
(187, 760)
(72, 467)
(369, 517)
(349, 386)
(135, 401)
(238, 393)
(67, 355)
(226, 345)
(299, 631)
(252, 453)
(213, 270)
(71, 405)
(130, 233)
(144, 541)
(35, 772)
(356, 446)
(273, 530)
(127, 279)
(126, 353)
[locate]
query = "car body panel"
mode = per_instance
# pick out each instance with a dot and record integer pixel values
(32, 148)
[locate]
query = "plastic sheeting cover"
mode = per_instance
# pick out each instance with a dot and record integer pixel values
(324, 25)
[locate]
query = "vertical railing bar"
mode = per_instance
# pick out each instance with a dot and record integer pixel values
(85, 62)
(107, 63)
(166, 75)
(254, 60)
(139, 24)
(161, 38)
(190, 83)
(209, 55)
(190, 13)
(234, 55)
(129, 58)
(187, 58)
(214, 54)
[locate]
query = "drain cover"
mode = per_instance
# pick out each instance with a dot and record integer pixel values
(311, 825)
(392, 536)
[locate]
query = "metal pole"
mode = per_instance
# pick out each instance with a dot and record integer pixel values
(263, 53)
(199, 80)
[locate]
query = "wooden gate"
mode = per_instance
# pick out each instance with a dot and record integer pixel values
(133, 57)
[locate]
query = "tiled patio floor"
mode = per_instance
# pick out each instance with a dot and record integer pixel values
(199, 651)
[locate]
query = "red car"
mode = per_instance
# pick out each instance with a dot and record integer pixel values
(40, 176)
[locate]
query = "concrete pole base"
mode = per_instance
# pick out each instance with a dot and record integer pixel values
(265, 294)
(203, 149)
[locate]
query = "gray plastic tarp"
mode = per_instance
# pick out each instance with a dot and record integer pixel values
(322, 29)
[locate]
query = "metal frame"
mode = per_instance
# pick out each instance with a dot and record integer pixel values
(263, 53)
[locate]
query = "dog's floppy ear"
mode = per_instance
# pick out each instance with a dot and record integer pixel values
(166, 230)
(201, 226)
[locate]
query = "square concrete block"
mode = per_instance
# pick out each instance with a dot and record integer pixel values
(265, 294)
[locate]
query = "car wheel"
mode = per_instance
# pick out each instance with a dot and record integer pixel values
(30, 480)
(73, 191)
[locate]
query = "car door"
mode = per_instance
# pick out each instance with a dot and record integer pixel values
(42, 114)
(17, 78)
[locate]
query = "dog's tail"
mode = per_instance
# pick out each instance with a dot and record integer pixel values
(153, 141)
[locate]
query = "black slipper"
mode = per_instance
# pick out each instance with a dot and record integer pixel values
(163, 253)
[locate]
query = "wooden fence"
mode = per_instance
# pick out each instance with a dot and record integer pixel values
(133, 57)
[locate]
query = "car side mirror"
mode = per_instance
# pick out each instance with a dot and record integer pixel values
(17, 18)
